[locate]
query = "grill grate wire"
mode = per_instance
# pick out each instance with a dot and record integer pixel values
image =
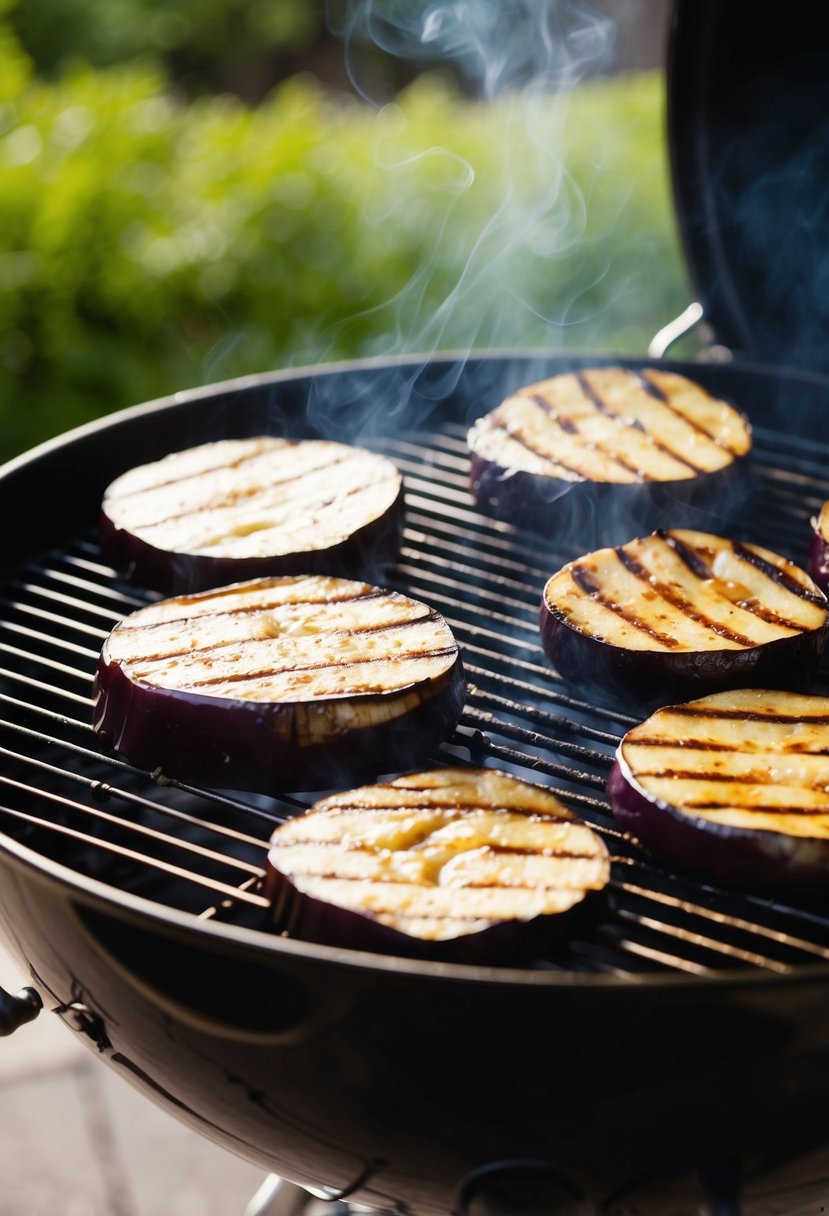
(203, 851)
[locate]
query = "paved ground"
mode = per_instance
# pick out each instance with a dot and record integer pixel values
(77, 1140)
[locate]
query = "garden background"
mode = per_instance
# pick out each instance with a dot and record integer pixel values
(198, 189)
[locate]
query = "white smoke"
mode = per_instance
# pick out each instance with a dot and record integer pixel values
(521, 58)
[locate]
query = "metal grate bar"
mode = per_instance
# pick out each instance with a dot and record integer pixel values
(41, 686)
(773, 937)
(106, 790)
(553, 722)
(181, 873)
(482, 720)
(99, 816)
(55, 619)
(92, 756)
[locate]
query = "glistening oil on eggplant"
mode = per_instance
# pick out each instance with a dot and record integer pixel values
(263, 685)
(602, 455)
(733, 787)
(456, 865)
(232, 510)
(679, 614)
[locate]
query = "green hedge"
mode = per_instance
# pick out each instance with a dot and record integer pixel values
(148, 245)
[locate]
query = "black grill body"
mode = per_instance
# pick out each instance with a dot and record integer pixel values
(678, 1040)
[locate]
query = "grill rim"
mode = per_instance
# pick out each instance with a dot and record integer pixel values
(142, 911)
(146, 913)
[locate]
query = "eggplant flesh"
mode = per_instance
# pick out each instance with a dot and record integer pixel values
(238, 509)
(295, 682)
(455, 863)
(682, 613)
(818, 563)
(599, 456)
(733, 786)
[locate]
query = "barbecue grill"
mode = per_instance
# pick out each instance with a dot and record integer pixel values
(671, 1055)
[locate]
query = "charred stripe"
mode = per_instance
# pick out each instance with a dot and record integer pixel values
(458, 808)
(679, 601)
(776, 574)
(160, 656)
(708, 745)
(571, 428)
(750, 778)
(691, 558)
(754, 808)
(515, 434)
(359, 847)
(409, 656)
(252, 610)
(749, 715)
(601, 405)
(585, 583)
(250, 495)
(655, 391)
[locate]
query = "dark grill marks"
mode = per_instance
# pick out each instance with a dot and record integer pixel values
(678, 600)
(602, 406)
(700, 568)
(655, 391)
(756, 809)
(695, 563)
(195, 476)
(325, 665)
(752, 778)
(462, 809)
(428, 618)
(709, 745)
(570, 427)
(585, 583)
(243, 610)
(251, 494)
(475, 849)
(737, 715)
(777, 575)
(516, 435)
(505, 850)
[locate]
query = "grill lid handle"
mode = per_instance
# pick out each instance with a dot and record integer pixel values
(16, 1011)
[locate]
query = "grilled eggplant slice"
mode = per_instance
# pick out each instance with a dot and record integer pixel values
(247, 508)
(682, 613)
(734, 786)
(602, 455)
(284, 683)
(462, 864)
(818, 565)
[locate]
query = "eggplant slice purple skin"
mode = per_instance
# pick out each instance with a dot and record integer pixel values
(362, 549)
(289, 740)
(762, 860)
(818, 560)
(585, 504)
(653, 676)
(350, 873)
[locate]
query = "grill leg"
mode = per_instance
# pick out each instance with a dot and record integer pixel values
(276, 1197)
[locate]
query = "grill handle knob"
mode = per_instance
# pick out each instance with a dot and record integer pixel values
(16, 1011)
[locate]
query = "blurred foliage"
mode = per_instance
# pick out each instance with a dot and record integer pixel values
(148, 245)
(207, 46)
(206, 43)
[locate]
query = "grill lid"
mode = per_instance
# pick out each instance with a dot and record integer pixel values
(748, 136)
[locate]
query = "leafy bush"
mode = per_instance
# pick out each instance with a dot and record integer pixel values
(147, 246)
(209, 45)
